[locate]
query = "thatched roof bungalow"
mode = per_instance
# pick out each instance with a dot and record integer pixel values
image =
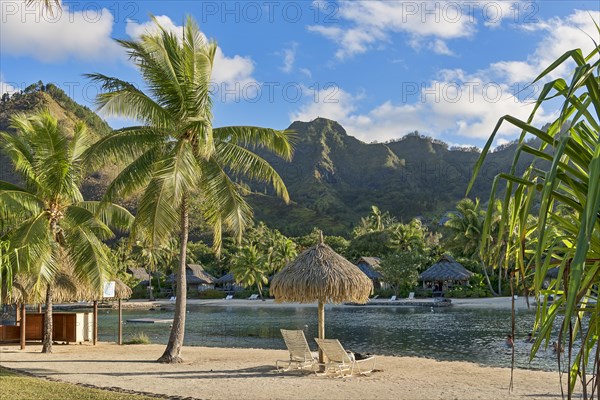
(197, 278)
(370, 266)
(445, 274)
(140, 274)
(227, 283)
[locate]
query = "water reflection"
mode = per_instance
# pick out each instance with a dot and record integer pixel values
(455, 334)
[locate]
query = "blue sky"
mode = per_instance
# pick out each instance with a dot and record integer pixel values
(382, 69)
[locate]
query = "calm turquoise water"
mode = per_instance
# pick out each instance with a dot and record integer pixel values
(456, 334)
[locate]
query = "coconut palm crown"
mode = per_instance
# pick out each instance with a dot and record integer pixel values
(47, 223)
(175, 153)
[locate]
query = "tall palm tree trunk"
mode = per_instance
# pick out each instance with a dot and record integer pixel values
(47, 342)
(172, 353)
(487, 279)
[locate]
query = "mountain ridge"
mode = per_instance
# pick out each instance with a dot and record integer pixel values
(333, 178)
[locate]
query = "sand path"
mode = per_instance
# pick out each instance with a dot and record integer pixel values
(221, 373)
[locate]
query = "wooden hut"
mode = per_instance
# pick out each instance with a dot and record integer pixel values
(227, 283)
(370, 266)
(140, 274)
(197, 278)
(445, 274)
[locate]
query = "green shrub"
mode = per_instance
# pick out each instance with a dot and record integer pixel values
(139, 338)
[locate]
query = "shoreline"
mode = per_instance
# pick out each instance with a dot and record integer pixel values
(504, 303)
(219, 373)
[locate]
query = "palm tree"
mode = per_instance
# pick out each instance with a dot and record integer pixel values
(46, 5)
(176, 153)
(465, 226)
(52, 225)
(249, 268)
(281, 253)
(565, 178)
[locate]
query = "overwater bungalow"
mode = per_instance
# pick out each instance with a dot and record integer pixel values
(445, 274)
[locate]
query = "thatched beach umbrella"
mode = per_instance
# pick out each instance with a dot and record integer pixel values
(320, 274)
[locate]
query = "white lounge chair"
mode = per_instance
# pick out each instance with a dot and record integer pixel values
(393, 298)
(411, 296)
(229, 297)
(173, 298)
(253, 297)
(300, 355)
(340, 361)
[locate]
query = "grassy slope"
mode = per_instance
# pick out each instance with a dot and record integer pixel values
(15, 386)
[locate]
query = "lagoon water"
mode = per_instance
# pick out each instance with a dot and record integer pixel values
(454, 334)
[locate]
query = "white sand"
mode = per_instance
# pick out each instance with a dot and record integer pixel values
(219, 373)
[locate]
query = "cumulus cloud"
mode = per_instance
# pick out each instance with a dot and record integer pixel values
(560, 35)
(456, 103)
(363, 25)
(67, 33)
(6, 87)
(289, 58)
(229, 73)
(459, 103)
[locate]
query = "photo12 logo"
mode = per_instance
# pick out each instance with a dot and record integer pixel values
(52, 12)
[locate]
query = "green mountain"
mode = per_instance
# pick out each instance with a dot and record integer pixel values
(333, 178)
(68, 112)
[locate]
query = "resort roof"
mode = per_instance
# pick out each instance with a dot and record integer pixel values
(196, 275)
(369, 265)
(139, 273)
(228, 278)
(446, 269)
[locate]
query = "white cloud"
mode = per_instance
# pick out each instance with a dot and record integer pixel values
(83, 35)
(6, 87)
(426, 24)
(289, 57)
(560, 35)
(306, 72)
(332, 103)
(456, 103)
(370, 22)
(229, 73)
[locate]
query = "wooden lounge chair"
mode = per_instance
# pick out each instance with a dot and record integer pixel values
(300, 355)
(340, 361)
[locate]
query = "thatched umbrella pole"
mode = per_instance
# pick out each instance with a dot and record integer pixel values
(320, 274)
(120, 341)
(23, 312)
(95, 323)
(321, 328)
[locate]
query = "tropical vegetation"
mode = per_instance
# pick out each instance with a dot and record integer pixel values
(176, 154)
(562, 188)
(48, 226)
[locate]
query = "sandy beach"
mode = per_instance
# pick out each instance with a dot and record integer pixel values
(223, 373)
